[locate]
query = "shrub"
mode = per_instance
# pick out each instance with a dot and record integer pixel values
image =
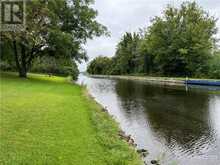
(5, 66)
(54, 66)
(214, 66)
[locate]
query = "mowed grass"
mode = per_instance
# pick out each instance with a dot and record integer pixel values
(50, 121)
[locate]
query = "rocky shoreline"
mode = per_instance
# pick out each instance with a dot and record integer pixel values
(127, 138)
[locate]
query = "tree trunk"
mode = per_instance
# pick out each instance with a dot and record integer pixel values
(23, 66)
(22, 73)
(20, 67)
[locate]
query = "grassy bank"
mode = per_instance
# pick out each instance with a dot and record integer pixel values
(47, 120)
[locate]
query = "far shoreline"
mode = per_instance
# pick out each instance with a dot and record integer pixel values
(170, 81)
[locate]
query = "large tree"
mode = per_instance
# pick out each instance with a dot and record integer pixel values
(100, 65)
(126, 56)
(182, 40)
(55, 28)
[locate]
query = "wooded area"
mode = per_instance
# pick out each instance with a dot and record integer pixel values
(179, 43)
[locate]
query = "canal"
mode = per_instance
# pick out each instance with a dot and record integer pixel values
(177, 125)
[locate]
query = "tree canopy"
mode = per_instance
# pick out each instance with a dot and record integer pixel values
(55, 28)
(100, 65)
(181, 42)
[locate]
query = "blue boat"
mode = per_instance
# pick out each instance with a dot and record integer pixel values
(203, 82)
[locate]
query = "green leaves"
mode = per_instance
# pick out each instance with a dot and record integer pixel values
(100, 65)
(127, 53)
(56, 28)
(178, 43)
(182, 39)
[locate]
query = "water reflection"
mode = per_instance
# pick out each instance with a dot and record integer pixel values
(172, 123)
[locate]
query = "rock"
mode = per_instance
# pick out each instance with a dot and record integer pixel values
(154, 162)
(127, 138)
(105, 109)
(121, 134)
(142, 151)
(131, 141)
(144, 154)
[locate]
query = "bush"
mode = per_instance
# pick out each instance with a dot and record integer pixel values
(72, 71)
(54, 66)
(75, 72)
(5, 66)
(214, 66)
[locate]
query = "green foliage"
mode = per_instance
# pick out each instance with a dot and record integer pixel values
(125, 61)
(181, 40)
(5, 66)
(214, 66)
(56, 28)
(74, 71)
(100, 65)
(54, 66)
(47, 120)
(126, 56)
(179, 43)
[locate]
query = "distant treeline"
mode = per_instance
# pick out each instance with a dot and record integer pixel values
(179, 43)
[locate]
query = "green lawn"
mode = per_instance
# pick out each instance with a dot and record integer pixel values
(48, 121)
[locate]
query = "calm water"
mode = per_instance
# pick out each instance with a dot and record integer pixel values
(175, 124)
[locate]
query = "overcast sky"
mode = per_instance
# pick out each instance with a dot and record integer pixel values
(122, 16)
